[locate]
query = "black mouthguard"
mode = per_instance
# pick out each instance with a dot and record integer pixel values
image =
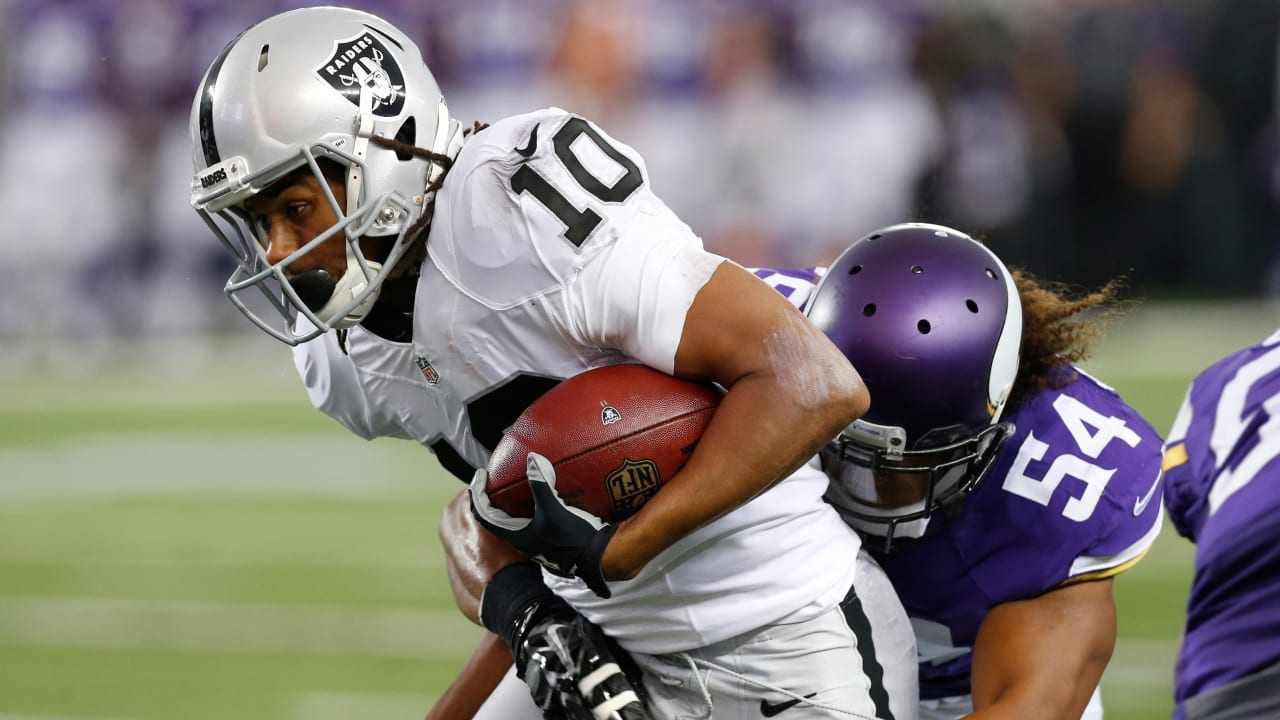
(314, 288)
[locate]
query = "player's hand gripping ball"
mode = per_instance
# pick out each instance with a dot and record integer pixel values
(613, 434)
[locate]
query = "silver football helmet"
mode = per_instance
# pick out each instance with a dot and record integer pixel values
(299, 87)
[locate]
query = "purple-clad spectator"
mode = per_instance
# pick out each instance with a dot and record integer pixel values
(181, 264)
(57, 87)
(685, 60)
(1222, 476)
(863, 128)
(491, 56)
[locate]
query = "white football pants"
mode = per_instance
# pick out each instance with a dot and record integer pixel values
(770, 671)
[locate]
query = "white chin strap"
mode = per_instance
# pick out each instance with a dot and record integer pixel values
(448, 141)
(351, 284)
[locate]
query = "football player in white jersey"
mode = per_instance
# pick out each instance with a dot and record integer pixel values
(431, 289)
(1001, 488)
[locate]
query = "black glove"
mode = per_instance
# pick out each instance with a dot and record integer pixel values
(573, 670)
(564, 539)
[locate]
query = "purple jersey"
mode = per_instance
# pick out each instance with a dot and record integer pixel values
(1074, 495)
(795, 285)
(1222, 463)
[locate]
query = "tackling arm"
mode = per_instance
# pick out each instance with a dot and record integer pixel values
(1044, 657)
(789, 391)
(483, 671)
(555, 650)
(472, 556)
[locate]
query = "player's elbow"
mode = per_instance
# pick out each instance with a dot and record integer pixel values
(845, 403)
(857, 399)
(842, 391)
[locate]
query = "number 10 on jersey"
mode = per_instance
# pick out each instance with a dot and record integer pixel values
(579, 224)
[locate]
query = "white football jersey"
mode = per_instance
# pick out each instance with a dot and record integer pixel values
(549, 255)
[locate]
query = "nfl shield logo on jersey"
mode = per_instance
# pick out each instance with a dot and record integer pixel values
(428, 372)
(363, 63)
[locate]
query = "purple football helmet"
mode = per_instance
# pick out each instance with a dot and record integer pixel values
(932, 321)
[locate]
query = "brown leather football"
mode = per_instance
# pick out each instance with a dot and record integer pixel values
(614, 434)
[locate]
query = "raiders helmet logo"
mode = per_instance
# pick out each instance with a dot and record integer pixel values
(609, 415)
(362, 64)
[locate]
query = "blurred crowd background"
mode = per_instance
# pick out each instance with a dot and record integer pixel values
(1080, 138)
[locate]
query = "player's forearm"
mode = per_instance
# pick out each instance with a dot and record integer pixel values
(1022, 704)
(1038, 690)
(472, 555)
(765, 428)
(1044, 657)
(477, 680)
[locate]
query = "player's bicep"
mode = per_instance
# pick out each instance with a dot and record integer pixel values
(635, 295)
(1044, 657)
(739, 326)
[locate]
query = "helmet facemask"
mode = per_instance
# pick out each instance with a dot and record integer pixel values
(892, 493)
(932, 321)
(306, 86)
(349, 297)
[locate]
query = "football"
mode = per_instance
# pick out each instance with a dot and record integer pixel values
(615, 434)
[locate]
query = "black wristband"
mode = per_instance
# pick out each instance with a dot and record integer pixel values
(516, 597)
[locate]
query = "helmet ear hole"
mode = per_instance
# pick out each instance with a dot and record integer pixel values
(407, 134)
(262, 57)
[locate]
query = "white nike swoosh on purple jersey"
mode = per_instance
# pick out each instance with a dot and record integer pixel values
(1141, 503)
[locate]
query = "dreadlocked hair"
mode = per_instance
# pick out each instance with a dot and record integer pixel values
(416, 252)
(1060, 327)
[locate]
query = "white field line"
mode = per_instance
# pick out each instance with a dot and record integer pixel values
(90, 562)
(11, 716)
(109, 466)
(1150, 339)
(327, 705)
(1141, 665)
(241, 629)
(240, 371)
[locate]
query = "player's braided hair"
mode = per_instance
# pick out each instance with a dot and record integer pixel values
(411, 262)
(1060, 326)
(409, 266)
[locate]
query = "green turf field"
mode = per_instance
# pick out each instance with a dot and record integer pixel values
(195, 542)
